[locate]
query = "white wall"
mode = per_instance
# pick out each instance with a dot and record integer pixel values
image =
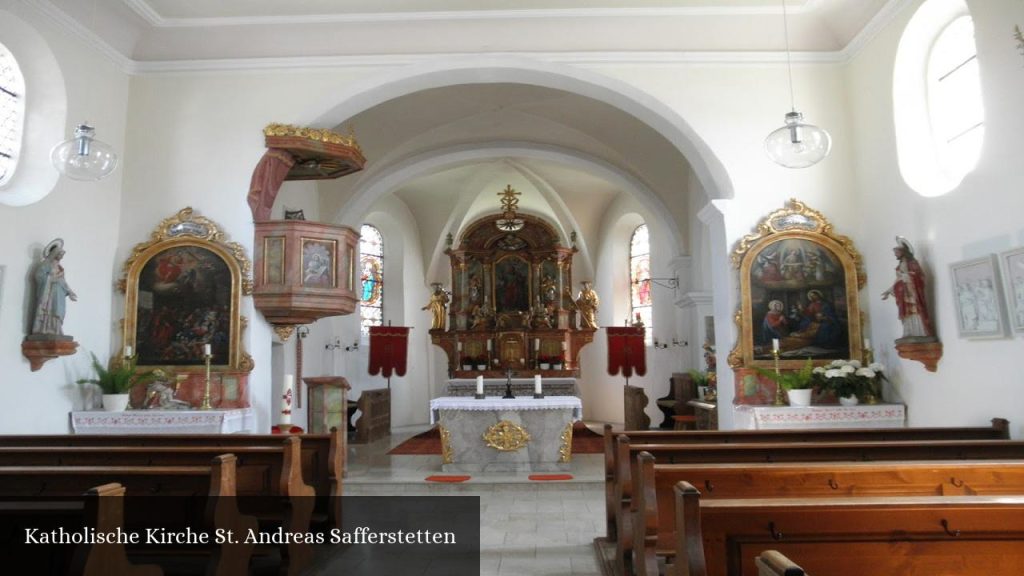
(976, 379)
(87, 216)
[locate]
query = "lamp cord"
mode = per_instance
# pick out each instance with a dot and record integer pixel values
(789, 63)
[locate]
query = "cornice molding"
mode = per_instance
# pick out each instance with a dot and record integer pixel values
(873, 28)
(91, 39)
(695, 299)
(155, 19)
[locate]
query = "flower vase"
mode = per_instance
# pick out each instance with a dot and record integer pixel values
(481, 367)
(545, 366)
(850, 400)
(799, 397)
(115, 402)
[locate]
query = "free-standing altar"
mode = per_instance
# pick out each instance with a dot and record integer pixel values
(505, 435)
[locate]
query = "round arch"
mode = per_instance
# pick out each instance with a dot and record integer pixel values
(421, 76)
(387, 178)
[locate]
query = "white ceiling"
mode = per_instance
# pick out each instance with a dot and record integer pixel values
(153, 31)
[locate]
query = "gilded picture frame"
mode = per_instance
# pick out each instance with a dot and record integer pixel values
(799, 285)
(183, 290)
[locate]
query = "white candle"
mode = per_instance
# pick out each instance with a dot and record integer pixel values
(206, 349)
(867, 344)
(775, 344)
(536, 343)
(489, 344)
(563, 346)
(286, 399)
(522, 360)
(127, 351)
(480, 385)
(536, 383)
(458, 346)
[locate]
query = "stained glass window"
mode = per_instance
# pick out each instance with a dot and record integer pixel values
(640, 277)
(371, 265)
(12, 113)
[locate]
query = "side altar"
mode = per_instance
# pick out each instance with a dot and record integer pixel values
(511, 300)
(506, 435)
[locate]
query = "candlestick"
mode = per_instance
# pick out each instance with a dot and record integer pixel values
(206, 394)
(778, 386)
(479, 388)
(286, 399)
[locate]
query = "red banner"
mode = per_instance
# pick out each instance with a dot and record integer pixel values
(626, 350)
(388, 349)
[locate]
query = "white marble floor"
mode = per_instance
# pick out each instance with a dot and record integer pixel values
(526, 527)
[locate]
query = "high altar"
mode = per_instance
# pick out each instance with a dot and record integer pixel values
(511, 300)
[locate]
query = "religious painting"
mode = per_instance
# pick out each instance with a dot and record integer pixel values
(512, 284)
(273, 260)
(976, 294)
(182, 292)
(799, 284)
(549, 283)
(1013, 278)
(318, 258)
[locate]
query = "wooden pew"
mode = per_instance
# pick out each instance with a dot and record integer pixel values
(653, 502)
(999, 430)
(895, 536)
(213, 483)
(100, 508)
(773, 563)
(262, 472)
(620, 511)
(323, 456)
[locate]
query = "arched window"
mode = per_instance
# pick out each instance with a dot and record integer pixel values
(640, 277)
(371, 263)
(12, 113)
(954, 96)
(939, 142)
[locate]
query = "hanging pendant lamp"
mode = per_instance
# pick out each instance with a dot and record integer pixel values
(797, 144)
(83, 157)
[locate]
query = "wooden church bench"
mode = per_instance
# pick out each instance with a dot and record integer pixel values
(999, 430)
(323, 457)
(619, 514)
(654, 509)
(211, 486)
(892, 535)
(269, 480)
(773, 563)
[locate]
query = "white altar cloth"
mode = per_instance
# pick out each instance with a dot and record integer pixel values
(497, 403)
(164, 422)
(796, 417)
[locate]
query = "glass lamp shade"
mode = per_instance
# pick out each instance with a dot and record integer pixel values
(83, 157)
(798, 144)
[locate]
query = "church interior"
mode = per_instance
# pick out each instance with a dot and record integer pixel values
(359, 224)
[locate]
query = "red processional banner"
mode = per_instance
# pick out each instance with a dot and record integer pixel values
(388, 349)
(626, 350)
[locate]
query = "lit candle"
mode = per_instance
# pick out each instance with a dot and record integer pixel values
(480, 385)
(775, 344)
(127, 351)
(867, 344)
(286, 398)
(536, 383)
(536, 343)
(206, 349)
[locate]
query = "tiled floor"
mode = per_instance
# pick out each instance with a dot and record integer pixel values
(526, 528)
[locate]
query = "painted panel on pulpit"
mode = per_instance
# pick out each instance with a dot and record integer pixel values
(512, 284)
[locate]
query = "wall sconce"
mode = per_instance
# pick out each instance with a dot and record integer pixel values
(675, 342)
(336, 344)
(354, 346)
(672, 283)
(302, 331)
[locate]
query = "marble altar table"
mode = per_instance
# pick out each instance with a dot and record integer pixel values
(821, 416)
(238, 420)
(506, 435)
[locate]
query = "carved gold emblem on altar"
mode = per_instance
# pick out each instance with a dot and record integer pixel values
(506, 436)
(446, 445)
(565, 450)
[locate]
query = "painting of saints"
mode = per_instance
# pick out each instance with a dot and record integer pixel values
(511, 291)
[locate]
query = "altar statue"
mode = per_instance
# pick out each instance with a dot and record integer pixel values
(587, 303)
(51, 290)
(437, 304)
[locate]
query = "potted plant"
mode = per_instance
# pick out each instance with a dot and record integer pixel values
(849, 380)
(481, 362)
(116, 381)
(701, 381)
(544, 362)
(798, 384)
